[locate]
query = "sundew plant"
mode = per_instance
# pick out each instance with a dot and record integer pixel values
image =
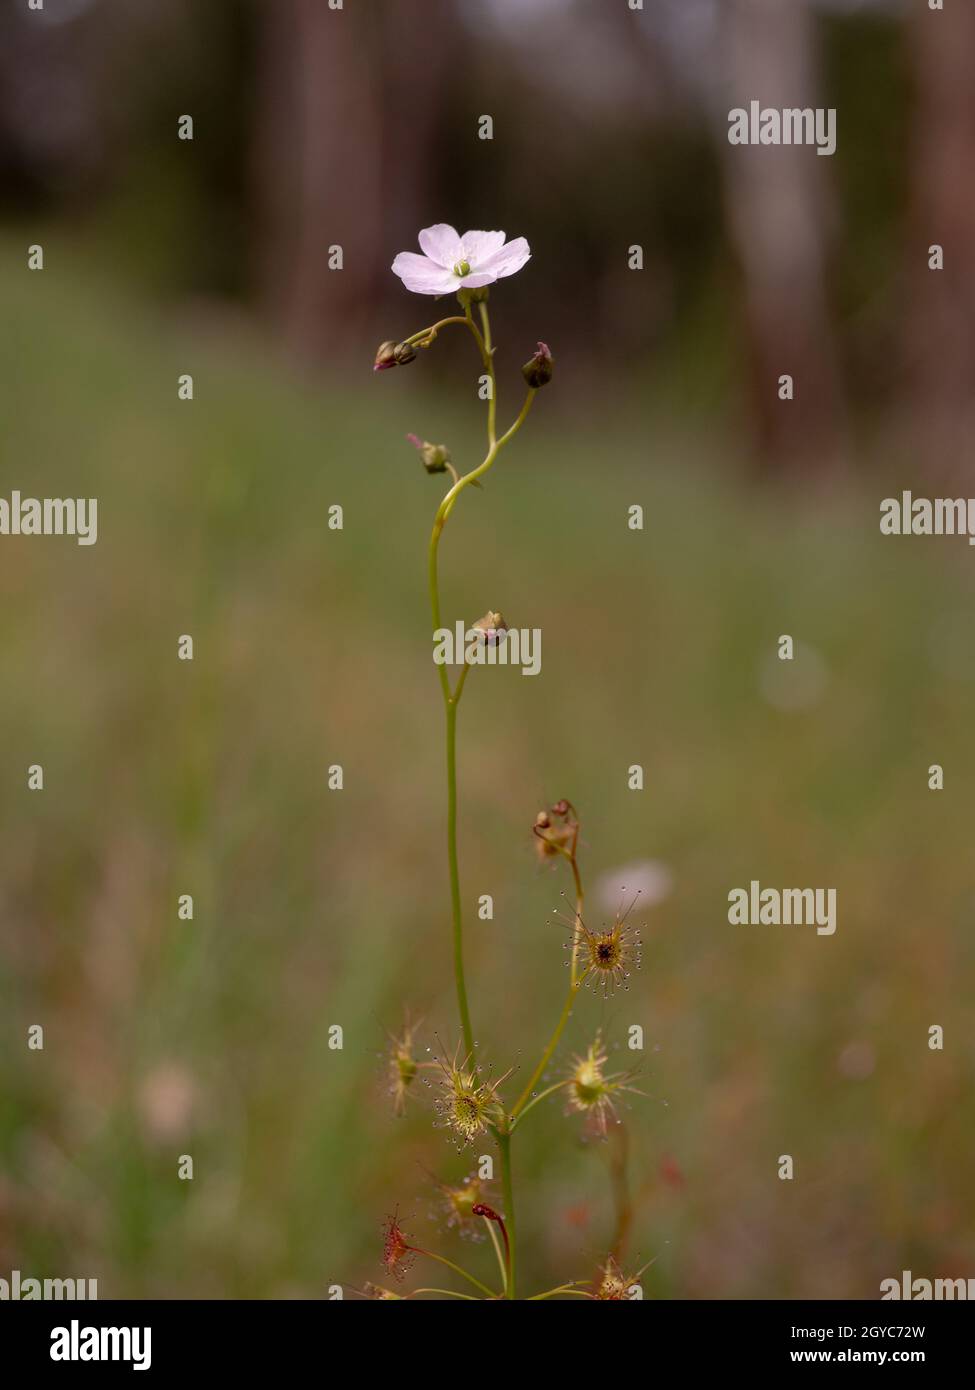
(472, 1103)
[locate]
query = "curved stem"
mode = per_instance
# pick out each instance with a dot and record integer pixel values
(541, 1096)
(447, 504)
(563, 1288)
(449, 1293)
(425, 336)
(442, 1259)
(502, 1265)
(504, 1149)
(566, 1013)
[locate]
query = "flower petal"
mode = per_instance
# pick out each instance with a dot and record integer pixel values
(423, 276)
(480, 246)
(509, 259)
(442, 244)
(475, 280)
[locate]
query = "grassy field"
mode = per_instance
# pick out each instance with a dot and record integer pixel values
(315, 907)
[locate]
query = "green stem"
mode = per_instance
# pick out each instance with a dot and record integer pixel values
(450, 707)
(442, 1259)
(458, 689)
(451, 701)
(570, 997)
(447, 504)
(488, 355)
(449, 1293)
(504, 1149)
(426, 336)
(434, 582)
(502, 1266)
(535, 1099)
(458, 928)
(563, 1288)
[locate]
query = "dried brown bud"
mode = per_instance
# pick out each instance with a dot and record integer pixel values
(537, 371)
(493, 627)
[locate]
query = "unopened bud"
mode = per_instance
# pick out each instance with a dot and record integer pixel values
(376, 1291)
(385, 356)
(392, 354)
(435, 456)
(538, 370)
(492, 627)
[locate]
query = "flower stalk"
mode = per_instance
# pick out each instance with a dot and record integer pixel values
(524, 1100)
(507, 1188)
(451, 698)
(469, 1104)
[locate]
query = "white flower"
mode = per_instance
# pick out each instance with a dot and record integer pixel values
(451, 262)
(652, 879)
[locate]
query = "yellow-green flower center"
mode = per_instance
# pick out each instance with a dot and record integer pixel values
(467, 1113)
(589, 1085)
(462, 268)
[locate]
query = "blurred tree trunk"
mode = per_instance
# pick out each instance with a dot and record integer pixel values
(941, 330)
(347, 109)
(780, 214)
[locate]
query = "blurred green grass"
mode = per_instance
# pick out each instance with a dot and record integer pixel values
(315, 908)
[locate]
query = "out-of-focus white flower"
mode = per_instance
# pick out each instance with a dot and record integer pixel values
(857, 1061)
(451, 262)
(797, 684)
(648, 877)
(167, 1097)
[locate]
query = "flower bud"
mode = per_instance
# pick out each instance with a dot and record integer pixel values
(492, 627)
(390, 354)
(538, 370)
(435, 456)
(385, 356)
(376, 1291)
